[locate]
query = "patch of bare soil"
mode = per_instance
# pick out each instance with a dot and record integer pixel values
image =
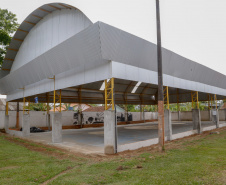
(8, 167)
(66, 154)
(49, 150)
(222, 177)
(53, 178)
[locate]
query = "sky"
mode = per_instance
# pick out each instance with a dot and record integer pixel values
(195, 29)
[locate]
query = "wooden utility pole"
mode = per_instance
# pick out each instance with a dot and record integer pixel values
(161, 131)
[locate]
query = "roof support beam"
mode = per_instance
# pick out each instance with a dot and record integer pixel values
(30, 22)
(36, 16)
(71, 6)
(12, 49)
(64, 6)
(5, 69)
(44, 10)
(116, 92)
(18, 39)
(23, 31)
(142, 93)
(80, 99)
(9, 59)
(54, 7)
(125, 98)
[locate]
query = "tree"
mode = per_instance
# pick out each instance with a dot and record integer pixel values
(8, 25)
(67, 106)
(130, 108)
(37, 107)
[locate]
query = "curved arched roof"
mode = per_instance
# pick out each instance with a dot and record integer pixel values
(23, 30)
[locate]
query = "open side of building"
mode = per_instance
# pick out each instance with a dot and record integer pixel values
(60, 56)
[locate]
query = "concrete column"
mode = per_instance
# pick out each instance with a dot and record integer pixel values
(168, 124)
(215, 117)
(56, 127)
(6, 123)
(144, 116)
(79, 118)
(126, 116)
(26, 125)
(218, 119)
(48, 121)
(196, 117)
(110, 139)
(179, 115)
(141, 115)
(210, 114)
(225, 114)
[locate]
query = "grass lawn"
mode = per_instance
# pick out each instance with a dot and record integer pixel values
(196, 160)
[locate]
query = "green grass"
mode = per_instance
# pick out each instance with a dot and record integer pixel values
(200, 161)
(18, 165)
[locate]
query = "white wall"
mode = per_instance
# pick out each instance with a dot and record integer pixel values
(205, 115)
(38, 118)
(174, 116)
(151, 115)
(222, 114)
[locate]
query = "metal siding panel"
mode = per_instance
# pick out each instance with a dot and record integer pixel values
(84, 49)
(132, 73)
(67, 79)
(118, 70)
(87, 47)
(143, 75)
(48, 33)
(123, 47)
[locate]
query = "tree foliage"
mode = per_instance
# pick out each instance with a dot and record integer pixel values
(203, 105)
(37, 107)
(67, 106)
(8, 25)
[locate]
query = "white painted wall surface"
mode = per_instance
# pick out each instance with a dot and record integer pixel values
(205, 115)
(174, 116)
(186, 116)
(222, 115)
(38, 118)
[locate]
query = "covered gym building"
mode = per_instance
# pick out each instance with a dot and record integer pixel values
(60, 56)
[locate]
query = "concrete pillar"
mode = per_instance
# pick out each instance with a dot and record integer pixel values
(56, 127)
(179, 115)
(210, 115)
(6, 123)
(218, 119)
(126, 116)
(80, 118)
(48, 121)
(225, 114)
(196, 117)
(26, 125)
(215, 117)
(168, 124)
(110, 138)
(141, 115)
(144, 116)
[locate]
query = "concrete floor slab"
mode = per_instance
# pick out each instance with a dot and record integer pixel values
(91, 140)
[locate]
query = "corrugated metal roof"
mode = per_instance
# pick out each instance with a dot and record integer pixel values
(100, 52)
(24, 29)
